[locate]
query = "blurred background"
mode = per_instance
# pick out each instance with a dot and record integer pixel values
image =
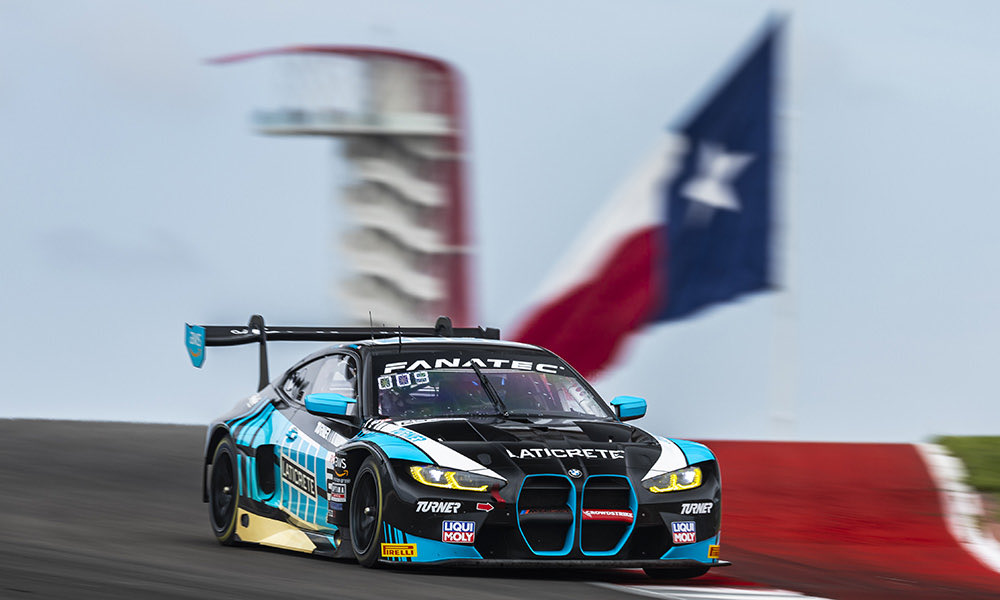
(138, 194)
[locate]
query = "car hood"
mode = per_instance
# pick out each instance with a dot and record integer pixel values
(503, 446)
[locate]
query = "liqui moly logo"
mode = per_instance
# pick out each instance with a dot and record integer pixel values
(683, 532)
(458, 532)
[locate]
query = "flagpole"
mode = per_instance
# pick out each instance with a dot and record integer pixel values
(784, 348)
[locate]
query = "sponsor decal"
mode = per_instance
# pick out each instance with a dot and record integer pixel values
(458, 532)
(538, 511)
(336, 465)
(713, 552)
(683, 532)
(593, 514)
(387, 382)
(524, 453)
(484, 506)
(338, 492)
(298, 476)
(697, 508)
(482, 363)
(393, 429)
(329, 435)
(194, 339)
(336, 483)
(399, 550)
(438, 506)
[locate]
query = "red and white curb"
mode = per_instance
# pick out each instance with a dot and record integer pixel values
(682, 592)
(962, 506)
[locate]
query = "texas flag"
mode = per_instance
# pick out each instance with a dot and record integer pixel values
(689, 228)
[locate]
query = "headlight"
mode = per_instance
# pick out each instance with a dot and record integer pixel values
(674, 481)
(454, 480)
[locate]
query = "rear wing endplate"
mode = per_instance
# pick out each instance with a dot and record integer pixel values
(198, 337)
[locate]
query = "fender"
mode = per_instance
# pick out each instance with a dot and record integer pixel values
(243, 411)
(356, 446)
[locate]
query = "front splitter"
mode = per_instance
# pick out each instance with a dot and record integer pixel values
(506, 563)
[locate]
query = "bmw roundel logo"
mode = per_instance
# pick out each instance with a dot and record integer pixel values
(575, 473)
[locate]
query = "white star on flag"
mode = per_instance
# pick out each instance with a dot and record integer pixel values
(712, 186)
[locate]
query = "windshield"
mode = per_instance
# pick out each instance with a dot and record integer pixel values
(477, 382)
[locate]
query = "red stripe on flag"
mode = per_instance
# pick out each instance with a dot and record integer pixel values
(587, 324)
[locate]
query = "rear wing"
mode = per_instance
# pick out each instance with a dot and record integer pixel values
(198, 337)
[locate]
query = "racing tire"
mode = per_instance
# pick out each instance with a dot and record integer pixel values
(366, 513)
(223, 492)
(689, 573)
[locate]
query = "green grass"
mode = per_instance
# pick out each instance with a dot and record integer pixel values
(981, 455)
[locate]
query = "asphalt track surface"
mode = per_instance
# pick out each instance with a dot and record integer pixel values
(113, 510)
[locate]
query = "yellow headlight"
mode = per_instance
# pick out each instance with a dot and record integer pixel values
(675, 481)
(453, 480)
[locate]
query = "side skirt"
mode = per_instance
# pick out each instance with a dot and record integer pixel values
(255, 529)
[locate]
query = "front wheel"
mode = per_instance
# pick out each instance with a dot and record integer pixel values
(223, 492)
(689, 573)
(366, 513)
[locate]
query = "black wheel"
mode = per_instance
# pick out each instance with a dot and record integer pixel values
(688, 573)
(223, 492)
(366, 513)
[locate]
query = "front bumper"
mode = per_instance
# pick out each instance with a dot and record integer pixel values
(504, 529)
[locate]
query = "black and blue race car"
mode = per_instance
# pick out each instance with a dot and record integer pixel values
(448, 446)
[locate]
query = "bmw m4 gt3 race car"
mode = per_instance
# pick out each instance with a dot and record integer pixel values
(448, 446)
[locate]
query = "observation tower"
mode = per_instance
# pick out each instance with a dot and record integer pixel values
(400, 116)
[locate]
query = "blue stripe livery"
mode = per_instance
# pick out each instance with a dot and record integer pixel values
(693, 451)
(697, 551)
(394, 447)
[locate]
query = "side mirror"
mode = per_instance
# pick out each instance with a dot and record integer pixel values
(330, 405)
(629, 407)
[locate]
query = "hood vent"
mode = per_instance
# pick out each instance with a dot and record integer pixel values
(494, 434)
(603, 432)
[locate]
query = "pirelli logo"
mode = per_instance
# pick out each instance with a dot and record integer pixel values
(298, 477)
(713, 552)
(399, 550)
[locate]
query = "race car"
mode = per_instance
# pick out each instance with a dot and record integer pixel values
(448, 446)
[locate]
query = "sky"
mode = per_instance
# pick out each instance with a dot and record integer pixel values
(136, 197)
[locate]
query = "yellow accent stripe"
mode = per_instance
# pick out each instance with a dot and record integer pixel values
(269, 532)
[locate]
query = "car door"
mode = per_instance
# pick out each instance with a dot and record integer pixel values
(311, 455)
(297, 489)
